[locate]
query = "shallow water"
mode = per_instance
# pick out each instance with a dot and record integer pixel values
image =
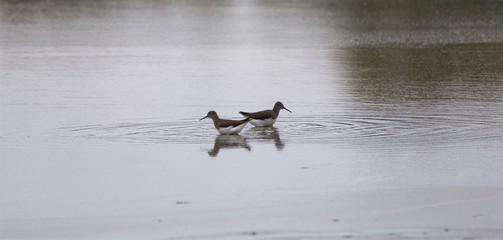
(100, 102)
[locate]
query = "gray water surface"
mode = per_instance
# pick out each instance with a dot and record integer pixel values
(100, 102)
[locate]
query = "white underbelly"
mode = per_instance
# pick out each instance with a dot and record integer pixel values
(263, 123)
(232, 130)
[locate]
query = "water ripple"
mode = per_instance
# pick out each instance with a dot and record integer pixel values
(406, 129)
(371, 130)
(182, 131)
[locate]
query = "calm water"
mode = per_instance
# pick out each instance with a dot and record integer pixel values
(100, 102)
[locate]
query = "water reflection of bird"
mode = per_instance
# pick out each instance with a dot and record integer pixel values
(226, 126)
(228, 141)
(265, 118)
(268, 133)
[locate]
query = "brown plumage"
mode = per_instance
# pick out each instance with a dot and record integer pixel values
(226, 126)
(265, 118)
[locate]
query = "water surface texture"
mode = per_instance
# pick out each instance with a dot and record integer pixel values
(396, 128)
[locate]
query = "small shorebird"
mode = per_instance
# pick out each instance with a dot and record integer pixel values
(225, 126)
(265, 118)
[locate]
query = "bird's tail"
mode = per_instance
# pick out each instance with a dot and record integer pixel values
(246, 114)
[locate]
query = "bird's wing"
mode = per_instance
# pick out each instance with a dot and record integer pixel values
(259, 115)
(231, 123)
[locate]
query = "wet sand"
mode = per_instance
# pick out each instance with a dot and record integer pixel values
(429, 213)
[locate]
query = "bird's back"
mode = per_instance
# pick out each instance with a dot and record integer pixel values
(223, 123)
(266, 114)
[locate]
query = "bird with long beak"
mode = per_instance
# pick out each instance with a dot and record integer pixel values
(226, 126)
(265, 118)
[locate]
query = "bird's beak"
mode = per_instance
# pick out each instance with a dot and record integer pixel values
(287, 109)
(203, 118)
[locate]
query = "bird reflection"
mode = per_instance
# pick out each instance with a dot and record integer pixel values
(268, 133)
(228, 141)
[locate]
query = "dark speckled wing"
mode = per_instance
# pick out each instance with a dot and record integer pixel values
(266, 114)
(223, 123)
